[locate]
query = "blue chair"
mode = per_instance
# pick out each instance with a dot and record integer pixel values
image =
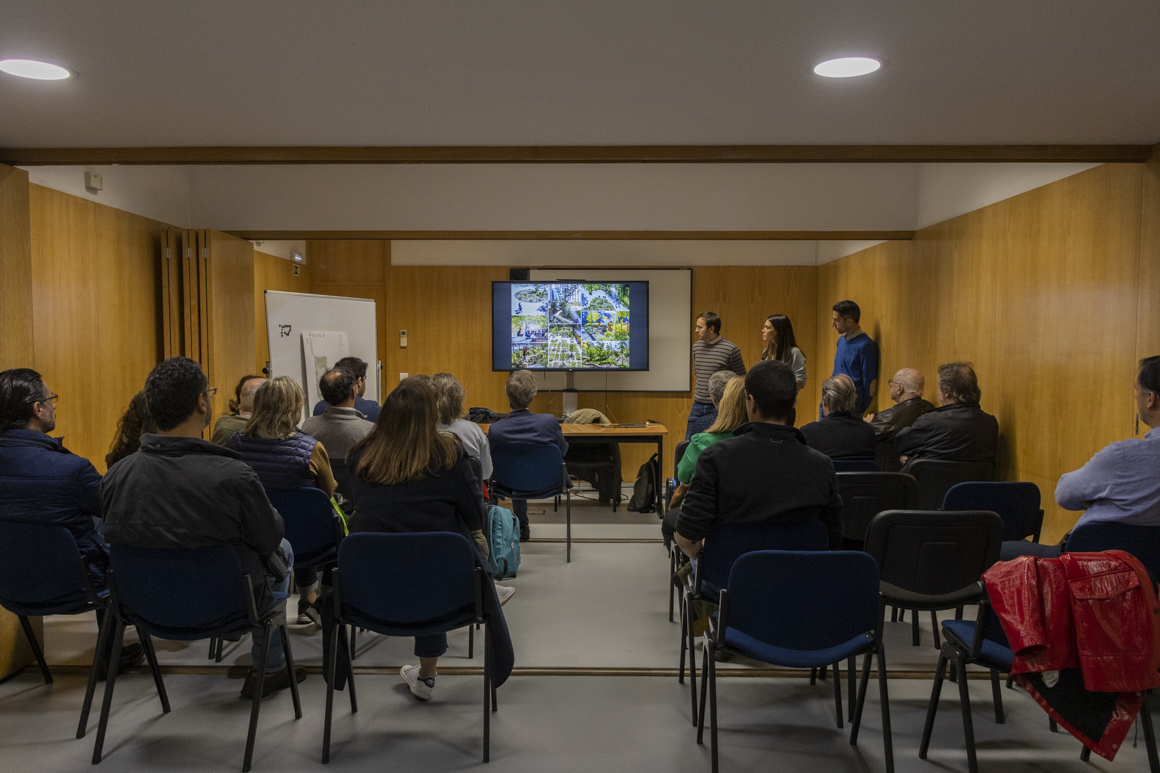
(1017, 503)
(935, 478)
(855, 465)
(187, 594)
(531, 471)
(1143, 542)
(42, 572)
(724, 544)
(411, 584)
(800, 609)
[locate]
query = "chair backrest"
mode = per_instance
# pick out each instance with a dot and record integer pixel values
(477, 469)
(803, 600)
(40, 568)
(886, 456)
(170, 590)
(406, 578)
(527, 467)
(725, 542)
(679, 454)
(866, 494)
(1143, 542)
(936, 476)
(344, 478)
(855, 465)
(1016, 502)
(933, 552)
(308, 516)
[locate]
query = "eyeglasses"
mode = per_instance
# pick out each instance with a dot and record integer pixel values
(49, 399)
(210, 392)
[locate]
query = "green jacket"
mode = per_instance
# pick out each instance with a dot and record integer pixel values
(697, 444)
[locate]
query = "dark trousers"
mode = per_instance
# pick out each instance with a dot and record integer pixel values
(430, 646)
(697, 411)
(1015, 548)
(520, 510)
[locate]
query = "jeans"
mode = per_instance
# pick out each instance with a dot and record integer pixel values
(697, 411)
(430, 646)
(276, 658)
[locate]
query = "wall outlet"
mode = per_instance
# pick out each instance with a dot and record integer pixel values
(402, 339)
(403, 376)
(93, 182)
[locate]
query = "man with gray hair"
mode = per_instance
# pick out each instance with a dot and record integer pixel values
(717, 383)
(341, 425)
(523, 426)
(958, 431)
(906, 388)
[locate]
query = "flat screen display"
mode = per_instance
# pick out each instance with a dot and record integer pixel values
(569, 325)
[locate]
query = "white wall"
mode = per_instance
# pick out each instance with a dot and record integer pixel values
(157, 192)
(950, 190)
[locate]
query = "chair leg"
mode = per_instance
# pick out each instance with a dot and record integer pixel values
(838, 695)
(470, 642)
(329, 665)
(915, 635)
(965, 705)
(102, 645)
(935, 692)
(212, 649)
(894, 614)
(118, 634)
(884, 697)
(221, 645)
(1145, 719)
(688, 616)
(704, 696)
(684, 643)
(1085, 754)
(353, 651)
(672, 584)
(1051, 726)
(1010, 680)
(813, 676)
(934, 627)
(863, 683)
(290, 670)
(997, 693)
(851, 670)
(256, 706)
(151, 656)
(711, 667)
(486, 697)
(568, 519)
(350, 677)
(35, 645)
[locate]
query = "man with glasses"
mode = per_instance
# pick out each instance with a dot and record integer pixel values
(41, 481)
(906, 390)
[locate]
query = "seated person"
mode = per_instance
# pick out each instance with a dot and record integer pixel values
(1117, 485)
(839, 434)
(765, 473)
(241, 407)
(717, 384)
(179, 491)
(286, 458)
(358, 369)
(523, 426)
(410, 477)
(135, 423)
(341, 425)
(452, 398)
(959, 431)
(906, 390)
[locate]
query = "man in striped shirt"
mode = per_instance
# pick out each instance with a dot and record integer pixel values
(711, 353)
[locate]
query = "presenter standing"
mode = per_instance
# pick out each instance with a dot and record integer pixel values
(780, 344)
(857, 355)
(711, 353)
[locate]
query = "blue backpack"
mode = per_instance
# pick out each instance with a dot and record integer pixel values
(503, 541)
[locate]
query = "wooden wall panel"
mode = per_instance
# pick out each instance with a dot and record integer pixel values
(16, 344)
(1148, 324)
(229, 307)
(354, 262)
(272, 273)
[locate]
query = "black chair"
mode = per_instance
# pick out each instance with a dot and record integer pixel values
(724, 544)
(1017, 503)
(678, 455)
(936, 476)
(866, 494)
(410, 584)
(187, 594)
(1143, 542)
(532, 471)
(801, 610)
(676, 557)
(345, 480)
(931, 560)
(855, 465)
(887, 456)
(42, 572)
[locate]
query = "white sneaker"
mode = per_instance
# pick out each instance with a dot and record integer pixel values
(504, 592)
(421, 687)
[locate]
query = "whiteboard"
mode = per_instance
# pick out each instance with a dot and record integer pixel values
(289, 315)
(670, 331)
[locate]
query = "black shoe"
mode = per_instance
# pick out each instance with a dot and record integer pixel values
(274, 681)
(308, 613)
(131, 655)
(525, 533)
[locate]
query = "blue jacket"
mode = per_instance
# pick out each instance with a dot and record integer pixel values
(279, 463)
(41, 481)
(368, 408)
(523, 426)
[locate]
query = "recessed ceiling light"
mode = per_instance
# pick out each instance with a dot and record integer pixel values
(41, 71)
(848, 67)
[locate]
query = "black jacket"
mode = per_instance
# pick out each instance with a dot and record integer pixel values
(887, 423)
(959, 432)
(188, 493)
(841, 437)
(765, 472)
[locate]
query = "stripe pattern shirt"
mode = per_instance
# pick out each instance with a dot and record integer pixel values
(708, 358)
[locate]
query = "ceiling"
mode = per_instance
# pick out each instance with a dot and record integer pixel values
(598, 72)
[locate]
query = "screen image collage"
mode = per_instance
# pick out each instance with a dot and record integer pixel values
(570, 326)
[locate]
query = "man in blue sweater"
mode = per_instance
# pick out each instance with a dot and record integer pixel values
(857, 355)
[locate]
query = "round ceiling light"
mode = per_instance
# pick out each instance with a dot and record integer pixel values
(848, 67)
(41, 71)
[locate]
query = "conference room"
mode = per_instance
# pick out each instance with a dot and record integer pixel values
(575, 191)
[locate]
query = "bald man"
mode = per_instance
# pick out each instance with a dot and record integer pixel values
(906, 389)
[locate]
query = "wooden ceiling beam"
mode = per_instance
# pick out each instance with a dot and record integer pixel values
(582, 235)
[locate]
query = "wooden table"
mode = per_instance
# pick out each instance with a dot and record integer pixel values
(652, 432)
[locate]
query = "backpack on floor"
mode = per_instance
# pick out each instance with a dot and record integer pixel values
(644, 491)
(503, 542)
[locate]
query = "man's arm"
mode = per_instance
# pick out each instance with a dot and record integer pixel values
(262, 527)
(699, 509)
(1076, 490)
(831, 514)
(736, 361)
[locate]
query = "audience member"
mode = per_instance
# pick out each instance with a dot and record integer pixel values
(342, 425)
(765, 473)
(857, 354)
(1119, 484)
(523, 426)
(452, 398)
(717, 384)
(284, 457)
(959, 431)
(711, 353)
(409, 477)
(179, 491)
(358, 369)
(241, 408)
(839, 434)
(906, 390)
(133, 424)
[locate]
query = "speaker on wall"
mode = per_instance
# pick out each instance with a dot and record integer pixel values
(519, 274)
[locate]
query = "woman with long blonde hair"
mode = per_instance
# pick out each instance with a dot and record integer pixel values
(730, 415)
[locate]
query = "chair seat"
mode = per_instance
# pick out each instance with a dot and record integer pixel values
(457, 619)
(70, 604)
(778, 656)
(214, 629)
(962, 633)
(507, 493)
